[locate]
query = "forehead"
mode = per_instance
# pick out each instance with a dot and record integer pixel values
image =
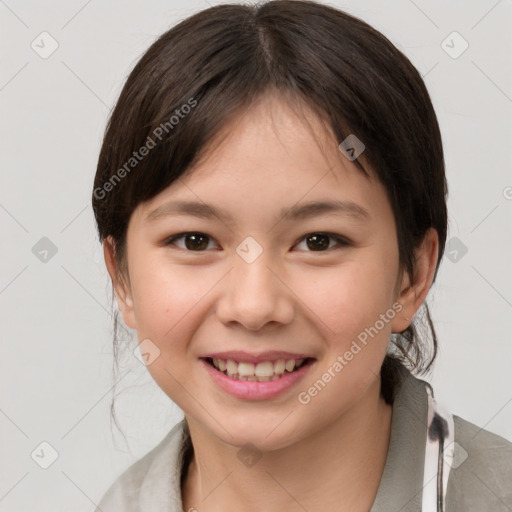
(270, 159)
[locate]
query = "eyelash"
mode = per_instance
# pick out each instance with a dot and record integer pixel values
(342, 242)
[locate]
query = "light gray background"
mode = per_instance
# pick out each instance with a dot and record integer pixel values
(55, 323)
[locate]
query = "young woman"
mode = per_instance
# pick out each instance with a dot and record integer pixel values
(271, 199)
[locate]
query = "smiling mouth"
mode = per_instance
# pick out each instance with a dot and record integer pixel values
(262, 372)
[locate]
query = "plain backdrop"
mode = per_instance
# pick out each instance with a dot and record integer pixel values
(56, 328)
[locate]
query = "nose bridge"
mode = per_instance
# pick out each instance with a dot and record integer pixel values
(255, 295)
(254, 275)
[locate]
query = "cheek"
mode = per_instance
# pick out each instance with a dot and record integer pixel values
(344, 301)
(167, 305)
(163, 299)
(352, 306)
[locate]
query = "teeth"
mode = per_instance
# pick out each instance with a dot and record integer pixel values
(245, 369)
(261, 372)
(279, 366)
(290, 365)
(265, 369)
(231, 367)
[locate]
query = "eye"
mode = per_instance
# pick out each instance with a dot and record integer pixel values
(320, 241)
(194, 241)
(317, 242)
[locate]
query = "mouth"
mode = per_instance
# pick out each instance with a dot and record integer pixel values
(264, 371)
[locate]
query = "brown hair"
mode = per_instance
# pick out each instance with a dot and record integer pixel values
(196, 76)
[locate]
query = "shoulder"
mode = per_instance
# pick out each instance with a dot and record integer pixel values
(481, 474)
(152, 481)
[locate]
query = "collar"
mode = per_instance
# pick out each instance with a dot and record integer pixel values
(401, 484)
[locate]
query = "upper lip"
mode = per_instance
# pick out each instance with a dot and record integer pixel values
(246, 357)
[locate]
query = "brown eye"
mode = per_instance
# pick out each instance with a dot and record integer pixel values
(195, 242)
(315, 242)
(320, 242)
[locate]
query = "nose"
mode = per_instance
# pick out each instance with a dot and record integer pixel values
(255, 294)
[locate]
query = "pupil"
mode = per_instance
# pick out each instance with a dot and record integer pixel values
(324, 241)
(195, 239)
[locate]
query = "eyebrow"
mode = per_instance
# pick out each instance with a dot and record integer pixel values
(296, 212)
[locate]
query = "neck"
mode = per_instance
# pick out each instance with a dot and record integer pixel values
(337, 468)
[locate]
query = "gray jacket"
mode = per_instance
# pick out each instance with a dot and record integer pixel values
(478, 474)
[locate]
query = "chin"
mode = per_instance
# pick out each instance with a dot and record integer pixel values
(263, 435)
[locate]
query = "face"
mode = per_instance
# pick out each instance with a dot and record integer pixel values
(267, 278)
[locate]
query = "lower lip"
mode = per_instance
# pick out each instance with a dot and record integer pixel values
(251, 390)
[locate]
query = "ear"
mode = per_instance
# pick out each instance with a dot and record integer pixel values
(413, 290)
(122, 289)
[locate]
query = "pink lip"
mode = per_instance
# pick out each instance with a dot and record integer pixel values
(245, 357)
(248, 390)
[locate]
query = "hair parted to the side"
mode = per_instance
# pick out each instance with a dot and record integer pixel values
(223, 59)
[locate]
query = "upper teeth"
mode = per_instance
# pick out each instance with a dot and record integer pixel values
(263, 369)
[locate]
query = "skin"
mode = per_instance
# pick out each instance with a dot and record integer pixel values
(330, 453)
